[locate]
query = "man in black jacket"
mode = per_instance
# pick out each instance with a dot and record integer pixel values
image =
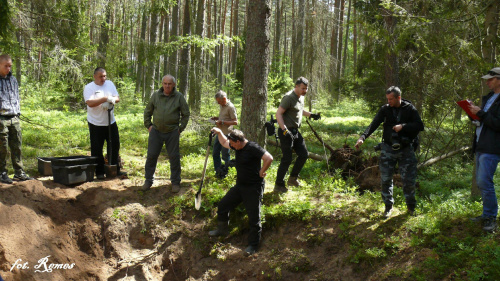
(402, 123)
(487, 148)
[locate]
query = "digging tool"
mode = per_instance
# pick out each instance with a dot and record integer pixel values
(111, 170)
(197, 199)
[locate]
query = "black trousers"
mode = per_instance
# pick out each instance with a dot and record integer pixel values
(251, 196)
(99, 134)
(287, 147)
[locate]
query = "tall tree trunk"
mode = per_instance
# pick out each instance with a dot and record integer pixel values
(152, 58)
(185, 53)
(195, 85)
(254, 102)
(344, 56)
(354, 43)
(490, 33)
(340, 35)
(391, 60)
(140, 54)
(221, 47)
(166, 38)
(298, 54)
(104, 39)
(277, 36)
(172, 60)
(234, 53)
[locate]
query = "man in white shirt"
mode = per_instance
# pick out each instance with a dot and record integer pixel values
(100, 96)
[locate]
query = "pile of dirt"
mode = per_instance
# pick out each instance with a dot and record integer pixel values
(108, 230)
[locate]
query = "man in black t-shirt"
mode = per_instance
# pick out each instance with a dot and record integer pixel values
(249, 187)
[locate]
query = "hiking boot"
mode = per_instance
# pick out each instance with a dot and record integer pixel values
(477, 219)
(176, 188)
(146, 186)
(250, 250)
(222, 229)
(293, 181)
(5, 178)
(22, 177)
(387, 211)
(490, 224)
(280, 188)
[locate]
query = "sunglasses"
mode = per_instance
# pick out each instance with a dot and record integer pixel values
(493, 73)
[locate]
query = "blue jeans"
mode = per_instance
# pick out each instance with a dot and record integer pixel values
(486, 165)
(216, 154)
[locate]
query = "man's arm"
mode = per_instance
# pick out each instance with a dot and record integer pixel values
(279, 117)
(148, 114)
(96, 102)
(267, 159)
(377, 120)
(184, 114)
(222, 138)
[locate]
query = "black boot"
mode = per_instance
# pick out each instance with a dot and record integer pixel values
(250, 250)
(222, 229)
(387, 211)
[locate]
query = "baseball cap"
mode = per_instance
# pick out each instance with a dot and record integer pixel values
(494, 72)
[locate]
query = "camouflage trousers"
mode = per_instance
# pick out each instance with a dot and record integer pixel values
(10, 135)
(407, 162)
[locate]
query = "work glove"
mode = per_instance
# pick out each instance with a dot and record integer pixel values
(315, 116)
(112, 99)
(289, 134)
(105, 105)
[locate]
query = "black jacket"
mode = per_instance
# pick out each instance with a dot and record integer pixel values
(406, 114)
(489, 140)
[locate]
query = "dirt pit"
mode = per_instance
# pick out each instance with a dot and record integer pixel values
(100, 231)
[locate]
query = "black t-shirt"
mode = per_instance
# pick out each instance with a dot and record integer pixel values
(248, 164)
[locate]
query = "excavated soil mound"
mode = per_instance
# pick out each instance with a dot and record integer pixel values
(109, 230)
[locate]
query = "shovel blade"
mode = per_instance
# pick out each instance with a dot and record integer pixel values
(197, 201)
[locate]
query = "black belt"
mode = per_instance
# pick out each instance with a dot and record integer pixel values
(7, 117)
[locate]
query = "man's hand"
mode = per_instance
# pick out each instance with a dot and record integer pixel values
(474, 109)
(316, 116)
(397, 128)
(216, 131)
(359, 143)
(289, 134)
(262, 174)
(112, 99)
(105, 105)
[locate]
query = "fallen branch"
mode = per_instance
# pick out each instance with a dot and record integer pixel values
(319, 138)
(442, 157)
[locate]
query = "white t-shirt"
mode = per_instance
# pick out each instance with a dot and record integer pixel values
(97, 115)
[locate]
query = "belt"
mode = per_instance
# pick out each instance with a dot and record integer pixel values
(7, 117)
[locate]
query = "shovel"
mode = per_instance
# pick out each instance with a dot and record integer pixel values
(111, 170)
(197, 199)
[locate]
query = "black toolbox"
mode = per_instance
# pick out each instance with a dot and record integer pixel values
(68, 170)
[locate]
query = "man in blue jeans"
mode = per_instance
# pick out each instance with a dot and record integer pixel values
(487, 148)
(225, 122)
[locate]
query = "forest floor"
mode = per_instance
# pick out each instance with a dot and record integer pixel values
(108, 230)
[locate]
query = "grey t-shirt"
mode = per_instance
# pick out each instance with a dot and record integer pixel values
(294, 106)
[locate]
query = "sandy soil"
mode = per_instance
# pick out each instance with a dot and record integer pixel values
(99, 231)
